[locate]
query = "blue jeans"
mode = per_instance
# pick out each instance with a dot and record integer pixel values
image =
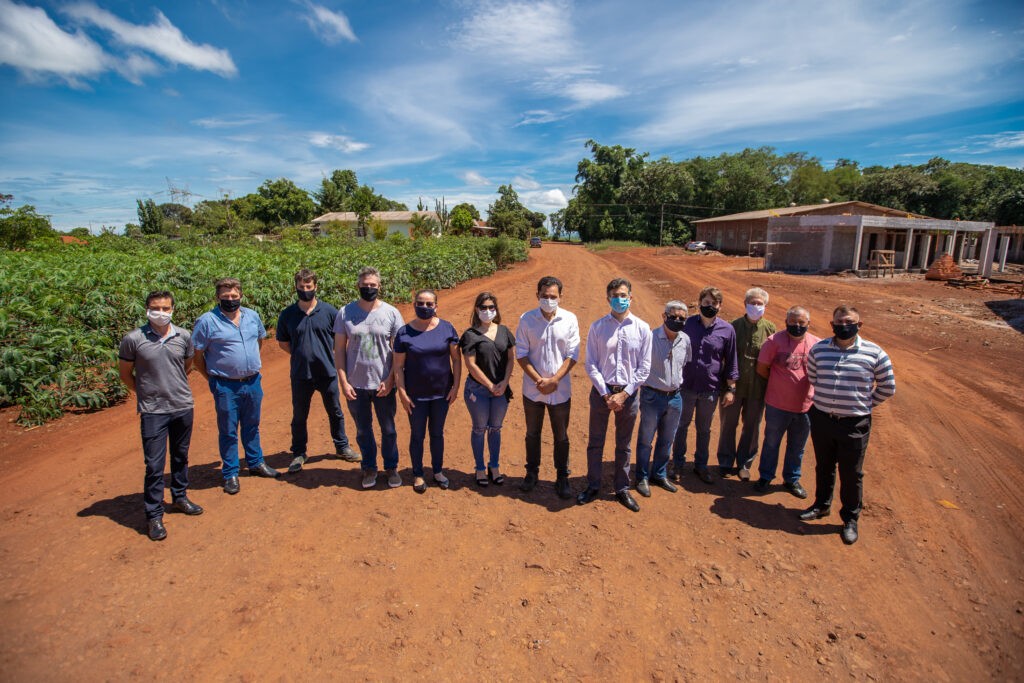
(238, 404)
(487, 412)
(659, 415)
(366, 404)
(432, 412)
(796, 427)
(703, 404)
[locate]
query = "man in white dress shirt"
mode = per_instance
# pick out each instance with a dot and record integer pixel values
(618, 362)
(547, 346)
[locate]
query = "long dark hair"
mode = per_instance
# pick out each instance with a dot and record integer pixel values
(480, 299)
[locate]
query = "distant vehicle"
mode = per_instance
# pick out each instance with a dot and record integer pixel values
(535, 242)
(697, 246)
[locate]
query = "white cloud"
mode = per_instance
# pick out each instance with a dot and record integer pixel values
(544, 200)
(524, 183)
(984, 144)
(474, 178)
(339, 142)
(34, 45)
(233, 122)
(523, 32)
(591, 92)
(538, 116)
(161, 38)
(331, 27)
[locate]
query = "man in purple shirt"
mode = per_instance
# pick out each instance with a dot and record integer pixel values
(710, 375)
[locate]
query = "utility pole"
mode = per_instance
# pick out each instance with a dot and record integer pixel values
(661, 228)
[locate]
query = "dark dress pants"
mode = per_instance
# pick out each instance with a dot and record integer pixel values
(558, 414)
(625, 420)
(839, 443)
(159, 429)
(302, 396)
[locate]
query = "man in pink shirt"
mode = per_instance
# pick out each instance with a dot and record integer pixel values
(783, 362)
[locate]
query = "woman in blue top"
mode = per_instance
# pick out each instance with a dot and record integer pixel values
(489, 349)
(428, 368)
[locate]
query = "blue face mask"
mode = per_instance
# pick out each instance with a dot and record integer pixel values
(620, 304)
(424, 312)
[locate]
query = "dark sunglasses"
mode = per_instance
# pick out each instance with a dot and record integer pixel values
(677, 318)
(490, 307)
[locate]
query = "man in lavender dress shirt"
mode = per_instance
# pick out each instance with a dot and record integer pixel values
(618, 362)
(711, 375)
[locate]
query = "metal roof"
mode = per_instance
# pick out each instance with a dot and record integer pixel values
(807, 208)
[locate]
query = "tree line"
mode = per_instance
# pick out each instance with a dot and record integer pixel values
(625, 195)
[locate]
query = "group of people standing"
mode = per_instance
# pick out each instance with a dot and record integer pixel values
(678, 374)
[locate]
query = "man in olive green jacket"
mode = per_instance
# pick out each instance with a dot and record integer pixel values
(752, 330)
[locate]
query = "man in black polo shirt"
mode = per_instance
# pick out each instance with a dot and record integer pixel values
(155, 360)
(305, 330)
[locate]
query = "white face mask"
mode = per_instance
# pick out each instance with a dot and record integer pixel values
(754, 311)
(549, 305)
(159, 318)
(486, 315)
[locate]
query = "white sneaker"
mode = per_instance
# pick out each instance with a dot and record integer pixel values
(394, 479)
(369, 479)
(744, 474)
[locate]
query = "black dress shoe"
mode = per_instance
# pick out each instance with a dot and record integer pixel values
(264, 470)
(665, 484)
(187, 506)
(849, 532)
(529, 482)
(796, 489)
(157, 532)
(705, 476)
(643, 488)
(814, 512)
(761, 485)
(231, 485)
(562, 488)
(628, 501)
(588, 495)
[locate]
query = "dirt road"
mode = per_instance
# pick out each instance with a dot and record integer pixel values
(309, 576)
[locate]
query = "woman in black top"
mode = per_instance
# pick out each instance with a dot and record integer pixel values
(488, 348)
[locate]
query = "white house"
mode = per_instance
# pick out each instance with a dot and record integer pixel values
(397, 221)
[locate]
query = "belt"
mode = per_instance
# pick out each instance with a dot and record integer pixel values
(837, 417)
(615, 388)
(238, 379)
(659, 391)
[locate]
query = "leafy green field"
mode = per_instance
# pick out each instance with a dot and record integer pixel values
(63, 311)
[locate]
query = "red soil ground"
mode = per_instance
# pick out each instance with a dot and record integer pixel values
(309, 576)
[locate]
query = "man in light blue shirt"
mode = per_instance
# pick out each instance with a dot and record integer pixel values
(227, 341)
(618, 362)
(661, 403)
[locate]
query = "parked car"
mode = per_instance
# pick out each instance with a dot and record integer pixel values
(696, 246)
(535, 242)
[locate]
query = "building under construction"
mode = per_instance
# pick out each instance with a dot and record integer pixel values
(854, 236)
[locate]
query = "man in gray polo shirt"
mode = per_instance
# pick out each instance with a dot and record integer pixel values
(155, 360)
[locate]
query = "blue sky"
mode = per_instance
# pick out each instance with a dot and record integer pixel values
(104, 101)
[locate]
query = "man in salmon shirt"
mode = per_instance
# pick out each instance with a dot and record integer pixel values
(783, 362)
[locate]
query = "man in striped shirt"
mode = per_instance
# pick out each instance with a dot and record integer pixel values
(850, 376)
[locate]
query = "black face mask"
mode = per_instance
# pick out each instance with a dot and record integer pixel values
(306, 294)
(368, 293)
(708, 311)
(674, 325)
(230, 305)
(796, 330)
(845, 332)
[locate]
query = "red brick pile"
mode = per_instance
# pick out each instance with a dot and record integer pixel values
(944, 268)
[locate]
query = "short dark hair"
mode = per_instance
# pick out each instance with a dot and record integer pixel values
(714, 292)
(227, 283)
(305, 275)
(480, 299)
(843, 309)
(618, 282)
(547, 281)
(159, 294)
(425, 291)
